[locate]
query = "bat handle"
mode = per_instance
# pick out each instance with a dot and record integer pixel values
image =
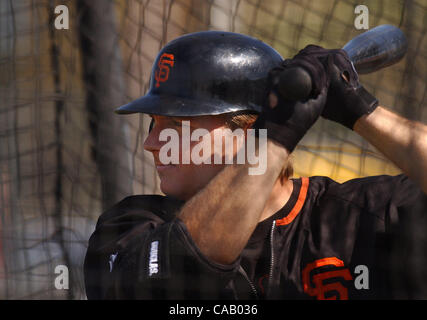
(294, 84)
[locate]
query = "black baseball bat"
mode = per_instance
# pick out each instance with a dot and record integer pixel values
(370, 51)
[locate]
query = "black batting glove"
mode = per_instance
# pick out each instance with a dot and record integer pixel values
(347, 99)
(287, 121)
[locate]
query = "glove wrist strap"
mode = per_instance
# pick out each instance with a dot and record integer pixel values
(365, 103)
(287, 137)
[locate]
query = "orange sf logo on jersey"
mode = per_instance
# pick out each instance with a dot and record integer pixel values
(162, 73)
(317, 287)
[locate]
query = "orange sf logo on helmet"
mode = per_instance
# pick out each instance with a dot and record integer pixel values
(162, 73)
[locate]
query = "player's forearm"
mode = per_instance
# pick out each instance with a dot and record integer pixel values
(403, 141)
(223, 215)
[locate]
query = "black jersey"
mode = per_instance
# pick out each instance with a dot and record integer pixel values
(363, 239)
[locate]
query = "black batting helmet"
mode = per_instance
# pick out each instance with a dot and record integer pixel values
(208, 73)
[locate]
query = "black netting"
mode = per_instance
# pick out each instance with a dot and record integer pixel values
(64, 154)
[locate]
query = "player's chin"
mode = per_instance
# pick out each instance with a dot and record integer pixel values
(173, 181)
(172, 188)
(164, 169)
(184, 181)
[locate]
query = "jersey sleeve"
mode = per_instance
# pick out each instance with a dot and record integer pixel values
(137, 254)
(379, 222)
(400, 236)
(407, 222)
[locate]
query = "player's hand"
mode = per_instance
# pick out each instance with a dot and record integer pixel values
(347, 99)
(287, 121)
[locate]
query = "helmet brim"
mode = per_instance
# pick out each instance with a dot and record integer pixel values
(174, 106)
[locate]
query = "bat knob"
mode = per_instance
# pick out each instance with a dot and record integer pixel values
(294, 84)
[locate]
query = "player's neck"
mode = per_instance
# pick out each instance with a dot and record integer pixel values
(279, 196)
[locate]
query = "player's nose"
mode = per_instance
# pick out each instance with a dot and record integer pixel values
(152, 143)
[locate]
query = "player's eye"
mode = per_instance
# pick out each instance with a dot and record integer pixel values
(176, 122)
(169, 123)
(151, 125)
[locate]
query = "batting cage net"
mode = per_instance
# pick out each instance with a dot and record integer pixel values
(65, 156)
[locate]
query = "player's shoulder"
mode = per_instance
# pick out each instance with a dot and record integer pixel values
(151, 205)
(370, 182)
(369, 191)
(152, 202)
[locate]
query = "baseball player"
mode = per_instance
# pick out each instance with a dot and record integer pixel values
(221, 233)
